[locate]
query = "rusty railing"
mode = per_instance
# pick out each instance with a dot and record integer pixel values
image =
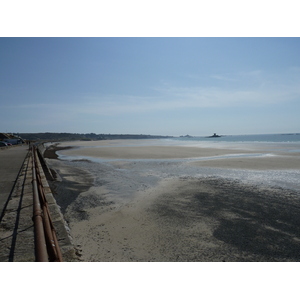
(46, 244)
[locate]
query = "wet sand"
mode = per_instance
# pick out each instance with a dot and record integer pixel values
(139, 204)
(151, 152)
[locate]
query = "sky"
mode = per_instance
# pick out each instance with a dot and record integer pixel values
(165, 86)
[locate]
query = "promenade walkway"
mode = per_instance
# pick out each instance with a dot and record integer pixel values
(11, 160)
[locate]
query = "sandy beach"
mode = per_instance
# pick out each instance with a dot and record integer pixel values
(137, 200)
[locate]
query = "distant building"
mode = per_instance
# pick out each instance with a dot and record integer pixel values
(214, 136)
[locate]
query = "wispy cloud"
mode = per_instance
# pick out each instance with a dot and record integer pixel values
(175, 97)
(264, 91)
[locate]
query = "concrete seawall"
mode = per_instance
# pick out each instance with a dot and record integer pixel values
(17, 242)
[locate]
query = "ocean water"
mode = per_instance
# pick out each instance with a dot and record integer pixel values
(257, 138)
(289, 143)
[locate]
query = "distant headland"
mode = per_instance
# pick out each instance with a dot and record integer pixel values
(86, 136)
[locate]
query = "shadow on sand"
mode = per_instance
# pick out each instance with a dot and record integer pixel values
(259, 224)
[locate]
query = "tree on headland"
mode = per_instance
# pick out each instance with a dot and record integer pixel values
(85, 136)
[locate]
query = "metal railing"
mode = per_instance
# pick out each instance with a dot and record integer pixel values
(46, 243)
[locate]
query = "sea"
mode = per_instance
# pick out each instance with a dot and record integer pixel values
(275, 142)
(257, 138)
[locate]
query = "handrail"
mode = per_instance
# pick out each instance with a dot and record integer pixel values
(39, 235)
(46, 241)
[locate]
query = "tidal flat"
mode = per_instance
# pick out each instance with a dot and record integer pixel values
(161, 201)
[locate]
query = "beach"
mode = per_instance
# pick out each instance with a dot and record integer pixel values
(167, 201)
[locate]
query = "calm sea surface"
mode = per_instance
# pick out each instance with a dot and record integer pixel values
(274, 138)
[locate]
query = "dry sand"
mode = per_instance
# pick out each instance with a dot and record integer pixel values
(150, 202)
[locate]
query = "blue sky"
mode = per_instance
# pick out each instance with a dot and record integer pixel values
(167, 86)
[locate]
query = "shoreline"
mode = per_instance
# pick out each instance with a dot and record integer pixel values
(246, 157)
(168, 211)
(50, 151)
